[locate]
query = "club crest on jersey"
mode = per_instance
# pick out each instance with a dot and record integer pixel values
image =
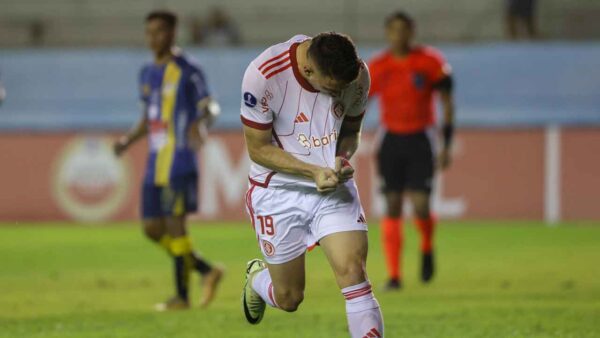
(338, 110)
(249, 100)
(268, 248)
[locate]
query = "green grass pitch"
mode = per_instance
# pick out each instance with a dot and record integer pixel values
(494, 280)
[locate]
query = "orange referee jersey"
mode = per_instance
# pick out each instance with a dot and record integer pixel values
(405, 87)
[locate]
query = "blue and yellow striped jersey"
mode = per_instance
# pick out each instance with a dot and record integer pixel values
(171, 93)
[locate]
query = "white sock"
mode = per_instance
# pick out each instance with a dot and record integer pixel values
(364, 316)
(263, 285)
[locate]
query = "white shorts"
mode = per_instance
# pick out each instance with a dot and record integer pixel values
(289, 219)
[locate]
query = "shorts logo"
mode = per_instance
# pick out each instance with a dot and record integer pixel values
(362, 219)
(249, 100)
(268, 248)
(338, 110)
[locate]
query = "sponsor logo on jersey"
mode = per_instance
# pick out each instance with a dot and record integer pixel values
(249, 100)
(169, 88)
(301, 118)
(264, 101)
(317, 142)
(268, 248)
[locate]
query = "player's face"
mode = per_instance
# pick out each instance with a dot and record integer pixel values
(399, 34)
(159, 36)
(323, 83)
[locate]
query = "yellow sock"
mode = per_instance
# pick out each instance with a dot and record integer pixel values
(165, 243)
(181, 246)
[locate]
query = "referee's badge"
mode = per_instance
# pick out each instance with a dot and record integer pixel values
(419, 80)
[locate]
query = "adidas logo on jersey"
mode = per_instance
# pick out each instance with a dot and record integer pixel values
(301, 118)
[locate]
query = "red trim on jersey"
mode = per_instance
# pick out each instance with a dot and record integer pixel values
(260, 184)
(277, 71)
(276, 137)
(256, 125)
(355, 118)
(301, 80)
(249, 204)
(273, 65)
(272, 59)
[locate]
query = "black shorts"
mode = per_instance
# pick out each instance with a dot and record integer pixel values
(406, 162)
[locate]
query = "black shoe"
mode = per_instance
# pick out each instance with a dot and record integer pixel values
(393, 285)
(427, 267)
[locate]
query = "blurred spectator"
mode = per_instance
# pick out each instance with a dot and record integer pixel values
(217, 30)
(520, 16)
(37, 32)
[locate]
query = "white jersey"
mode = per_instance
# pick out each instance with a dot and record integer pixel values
(304, 122)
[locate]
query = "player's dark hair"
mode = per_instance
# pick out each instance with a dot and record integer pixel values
(402, 16)
(168, 17)
(335, 55)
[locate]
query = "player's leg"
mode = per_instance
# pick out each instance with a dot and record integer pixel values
(153, 223)
(392, 235)
(420, 172)
(177, 201)
(281, 225)
(347, 255)
(391, 169)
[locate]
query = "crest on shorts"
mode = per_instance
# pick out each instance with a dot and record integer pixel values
(268, 248)
(338, 110)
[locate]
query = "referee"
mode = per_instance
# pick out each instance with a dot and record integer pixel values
(406, 78)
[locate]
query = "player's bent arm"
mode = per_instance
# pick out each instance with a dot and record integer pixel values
(138, 131)
(210, 110)
(263, 152)
(349, 138)
(447, 102)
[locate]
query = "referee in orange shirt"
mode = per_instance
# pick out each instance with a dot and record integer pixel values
(406, 77)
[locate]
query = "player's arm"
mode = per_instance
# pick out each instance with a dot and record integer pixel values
(263, 152)
(138, 131)
(444, 88)
(350, 130)
(198, 130)
(257, 117)
(347, 145)
(207, 108)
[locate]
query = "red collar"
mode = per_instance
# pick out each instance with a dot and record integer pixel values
(301, 80)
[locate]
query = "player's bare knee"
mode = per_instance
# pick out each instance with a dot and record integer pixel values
(394, 211)
(422, 210)
(153, 230)
(352, 272)
(289, 300)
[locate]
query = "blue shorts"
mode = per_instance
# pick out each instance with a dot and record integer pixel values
(177, 199)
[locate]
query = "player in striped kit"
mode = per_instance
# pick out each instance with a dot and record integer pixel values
(302, 106)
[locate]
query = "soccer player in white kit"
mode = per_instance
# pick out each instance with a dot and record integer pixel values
(302, 106)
